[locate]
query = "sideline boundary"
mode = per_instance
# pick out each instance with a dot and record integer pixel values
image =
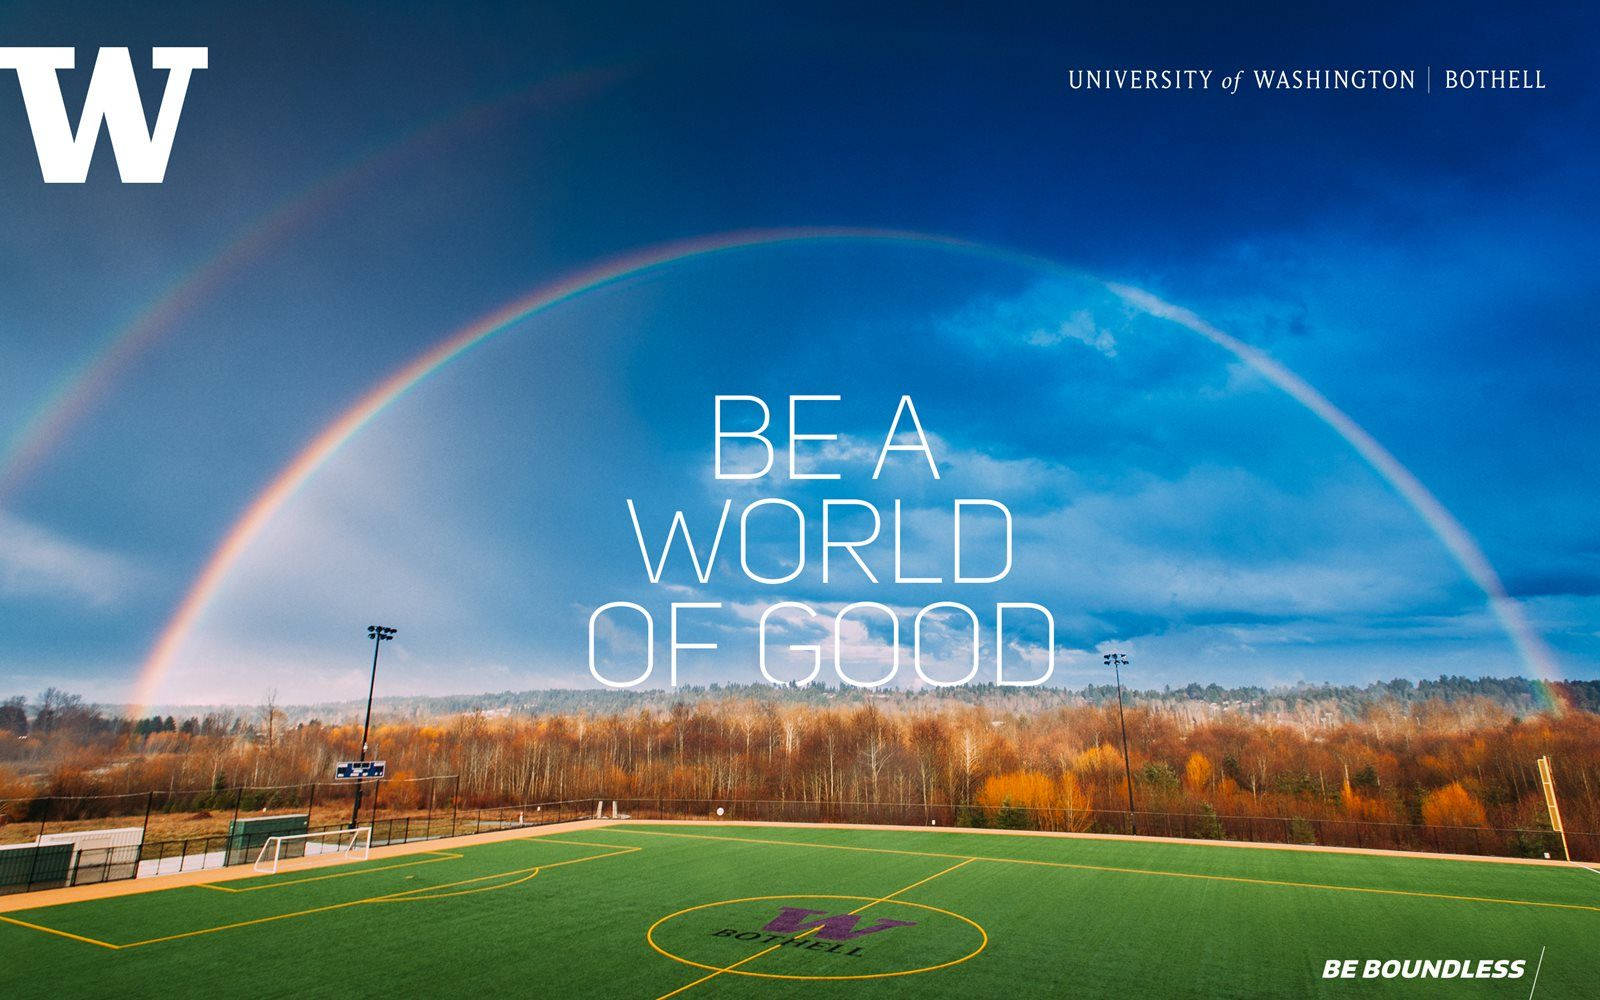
(1126, 871)
(403, 896)
(214, 877)
(1132, 838)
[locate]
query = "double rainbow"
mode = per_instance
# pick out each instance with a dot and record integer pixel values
(1462, 547)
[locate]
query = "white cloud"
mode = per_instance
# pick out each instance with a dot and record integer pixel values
(1226, 541)
(36, 562)
(1080, 327)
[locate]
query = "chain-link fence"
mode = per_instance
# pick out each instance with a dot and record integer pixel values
(1470, 840)
(78, 840)
(52, 841)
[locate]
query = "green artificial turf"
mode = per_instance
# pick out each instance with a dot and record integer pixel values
(599, 911)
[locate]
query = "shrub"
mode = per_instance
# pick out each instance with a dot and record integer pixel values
(1301, 831)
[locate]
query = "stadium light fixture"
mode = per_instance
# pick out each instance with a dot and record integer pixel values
(379, 634)
(1116, 661)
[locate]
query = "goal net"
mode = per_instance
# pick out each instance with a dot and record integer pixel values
(354, 842)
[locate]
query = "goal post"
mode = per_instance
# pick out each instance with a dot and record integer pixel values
(355, 841)
(247, 834)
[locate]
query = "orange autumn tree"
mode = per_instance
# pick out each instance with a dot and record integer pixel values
(1453, 805)
(1362, 808)
(1046, 804)
(1074, 804)
(1197, 772)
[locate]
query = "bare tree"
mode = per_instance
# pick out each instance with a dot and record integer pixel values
(270, 704)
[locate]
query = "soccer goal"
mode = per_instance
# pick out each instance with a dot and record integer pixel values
(354, 841)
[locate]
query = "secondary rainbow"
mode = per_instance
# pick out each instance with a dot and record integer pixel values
(1462, 547)
(71, 397)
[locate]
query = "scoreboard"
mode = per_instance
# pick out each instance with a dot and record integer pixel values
(359, 769)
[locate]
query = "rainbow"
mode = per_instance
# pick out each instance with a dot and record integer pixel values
(73, 396)
(1456, 539)
(1461, 545)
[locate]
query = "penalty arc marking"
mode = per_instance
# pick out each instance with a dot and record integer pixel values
(405, 896)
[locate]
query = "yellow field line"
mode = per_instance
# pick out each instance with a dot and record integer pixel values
(620, 849)
(580, 843)
(394, 897)
(400, 897)
(930, 878)
(65, 934)
(433, 857)
(798, 843)
(244, 923)
(1132, 871)
(860, 909)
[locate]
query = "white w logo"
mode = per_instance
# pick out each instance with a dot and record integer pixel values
(113, 97)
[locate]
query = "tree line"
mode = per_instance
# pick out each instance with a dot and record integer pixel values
(1464, 761)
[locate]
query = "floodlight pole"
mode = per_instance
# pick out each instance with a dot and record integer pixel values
(378, 634)
(1116, 661)
(1547, 781)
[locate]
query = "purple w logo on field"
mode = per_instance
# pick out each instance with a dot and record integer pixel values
(840, 927)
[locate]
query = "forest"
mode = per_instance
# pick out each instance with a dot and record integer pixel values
(1384, 775)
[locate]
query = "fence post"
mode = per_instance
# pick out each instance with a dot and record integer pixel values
(33, 862)
(144, 831)
(455, 803)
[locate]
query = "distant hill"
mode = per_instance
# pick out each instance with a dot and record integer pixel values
(1327, 702)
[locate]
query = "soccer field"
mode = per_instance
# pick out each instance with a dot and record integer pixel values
(718, 911)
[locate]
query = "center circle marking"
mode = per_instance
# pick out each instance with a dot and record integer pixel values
(650, 937)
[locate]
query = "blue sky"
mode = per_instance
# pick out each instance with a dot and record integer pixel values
(1423, 260)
